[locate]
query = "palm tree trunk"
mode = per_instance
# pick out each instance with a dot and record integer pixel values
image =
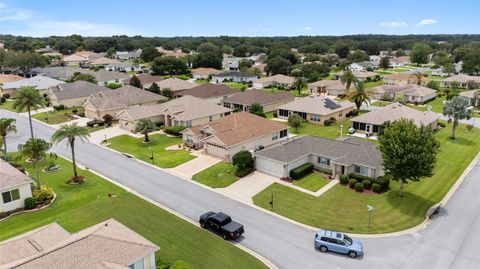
(36, 174)
(30, 121)
(5, 146)
(454, 126)
(146, 137)
(400, 191)
(72, 145)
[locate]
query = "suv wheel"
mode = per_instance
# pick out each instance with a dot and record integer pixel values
(352, 254)
(203, 224)
(323, 248)
(225, 236)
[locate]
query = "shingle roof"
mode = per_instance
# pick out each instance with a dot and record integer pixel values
(395, 112)
(462, 78)
(9, 78)
(39, 82)
(11, 176)
(347, 151)
(360, 74)
(104, 75)
(329, 84)
(107, 242)
(404, 76)
(103, 61)
(208, 90)
(276, 78)
(319, 105)
(205, 71)
(76, 89)
(411, 89)
(235, 74)
(123, 97)
(240, 127)
(176, 84)
(258, 96)
(470, 94)
(184, 108)
(365, 64)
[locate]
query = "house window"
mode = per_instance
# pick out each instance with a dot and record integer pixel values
(363, 126)
(361, 170)
(189, 139)
(210, 118)
(189, 123)
(10, 196)
(283, 133)
(283, 113)
(356, 125)
(324, 161)
(274, 136)
(375, 129)
(226, 105)
(314, 117)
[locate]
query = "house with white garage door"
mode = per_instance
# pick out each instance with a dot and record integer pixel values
(15, 187)
(233, 133)
(341, 157)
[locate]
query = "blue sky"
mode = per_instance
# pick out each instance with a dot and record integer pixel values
(238, 18)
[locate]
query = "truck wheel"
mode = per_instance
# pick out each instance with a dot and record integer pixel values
(323, 249)
(352, 254)
(225, 236)
(203, 224)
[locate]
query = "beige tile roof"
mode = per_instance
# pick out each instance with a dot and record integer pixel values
(462, 78)
(176, 84)
(276, 78)
(123, 97)
(360, 74)
(184, 108)
(470, 94)
(103, 61)
(145, 79)
(258, 96)
(9, 78)
(395, 112)
(240, 127)
(329, 84)
(404, 76)
(411, 89)
(105, 245)
(208, 90)
(319, 105)
(205, 71)
(11, 176)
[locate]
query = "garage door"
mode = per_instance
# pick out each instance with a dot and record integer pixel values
(269, 167)
(215, 150)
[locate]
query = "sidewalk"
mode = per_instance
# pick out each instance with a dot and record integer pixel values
(194, 166)
(321, 191)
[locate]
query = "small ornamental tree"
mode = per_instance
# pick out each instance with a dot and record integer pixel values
(135, 82)
(409, 152)
(294, 120)
(242, 160)
(257, 109)
(145, 126)
(347, 79)
(384, 63)
(108, 119)
(154, 88)
(456, 109)
(167, 92)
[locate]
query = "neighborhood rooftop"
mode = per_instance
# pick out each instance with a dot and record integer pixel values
(257, 96)
(397, 111)
(208, 90)
(79, 88)
(121, 97)
(411, 89)
(319, 105)
(39, 82)
(175, 84)
(11, 176)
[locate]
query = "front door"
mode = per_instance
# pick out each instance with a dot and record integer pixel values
(367, 128)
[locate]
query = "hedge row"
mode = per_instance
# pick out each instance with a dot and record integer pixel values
(175, 130)
(244, 172)
(383, 181)
(301, 171)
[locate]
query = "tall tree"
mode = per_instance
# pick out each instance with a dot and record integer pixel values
(384, 63)
(409, 152)
(419, 54)
(456, 109)
(299, 84)
(294, 120)
(257, 109)
(71, 132)
(347, 78)
(359, 94)
(167, 92)
(419, 77)
(145, 126)
(149, 53)
(35, 149)
(169, 65)
(278, 65)
(28, 98)
(28, 60)
(7, 126)
(154, 88)
(135, 82)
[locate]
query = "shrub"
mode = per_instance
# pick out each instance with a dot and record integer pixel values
(376, 187)
(367, 184)
(358, 177)
(441, 124)
(108, 119)
(301, 171)
(2, 100)
(175, 130)
(75, 111)
(359, 186)
(30, 203)
(451, 95)
(91, 123)
(352, 182)
(42, 194)
(343, 179)
(81, 114)
(243, 159)
(383, 181)
(181, 264)
(352, 113)
(244, 171)
(275, 115)
(59, 107)
(6, 95)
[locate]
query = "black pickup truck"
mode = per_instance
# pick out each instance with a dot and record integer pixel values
(221, 224)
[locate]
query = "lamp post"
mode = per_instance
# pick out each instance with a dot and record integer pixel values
(341, 130)
(370, 209)
(151, 155)
(271, 201)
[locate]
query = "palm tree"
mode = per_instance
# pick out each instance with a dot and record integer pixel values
(457, 109)
(71, 132)
(145, 126)
(347, 79)
(35, 149)
(299, 84)
(419, 77)
(476, 96)
(28, 98)
(359, 94)
(6, 126)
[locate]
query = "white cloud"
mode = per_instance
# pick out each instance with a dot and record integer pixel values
(393, 24)
(13, 14)
(307, 28)
(426, 22)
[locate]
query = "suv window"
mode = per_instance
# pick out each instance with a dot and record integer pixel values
(326, 239)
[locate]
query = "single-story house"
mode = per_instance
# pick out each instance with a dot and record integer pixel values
(473, 97)
(127, 67)
(342, 156)
(233, 133)
(371, 121)
(363, 66)
(146, 79)
(204, 72)
(184, 111)
(316, 109)
(404, 79)
(399, 61)
(108, 244)
(73, 94)
(270, 101)
(413, 93)
(230, 63)
(279, 80)
(375, 59)
(40, 83)
(177, 53)
(56, 72)
(176, 84)
(233, 76)
(213, 93)
(80, 58)
(15, 187)
(105, 77)
(359, 75)
(4, 78)
(329, 87)
(128, 55)
(102, 61)
(112, 102)
(461, 79)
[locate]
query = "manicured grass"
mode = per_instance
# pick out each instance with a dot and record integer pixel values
(8, 105)
(236, 85)
(57, 116)
(163, 158)
(344, 209)
(80, 206)
(220, 175)
(312, 182)
(184, 77)
(269, 115)
(94, 129)
(437, 105)
(381, 103)
(201, 81)
(371, 84)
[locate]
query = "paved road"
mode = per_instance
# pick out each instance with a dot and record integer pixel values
(450, 241)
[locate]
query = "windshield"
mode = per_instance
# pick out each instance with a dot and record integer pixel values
(347, 240)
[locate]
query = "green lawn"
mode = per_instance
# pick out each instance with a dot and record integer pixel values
(312, 182)
(381, 103)
(163, 158)
(371, 84)
(344, 209)
(201, 81)
(269, 115)
(184, 77)
(80, 206)
(437, 105)
(220, 175)
(236, 85)
(8, 105)
(94, 129)
(57, 116)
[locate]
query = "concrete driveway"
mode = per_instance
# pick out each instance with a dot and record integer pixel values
(98, 136)
(190, 168)
(244, 189)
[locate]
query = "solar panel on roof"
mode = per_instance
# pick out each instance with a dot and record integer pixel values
(331, 104)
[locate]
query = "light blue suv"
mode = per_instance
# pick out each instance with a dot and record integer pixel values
(338, 242)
